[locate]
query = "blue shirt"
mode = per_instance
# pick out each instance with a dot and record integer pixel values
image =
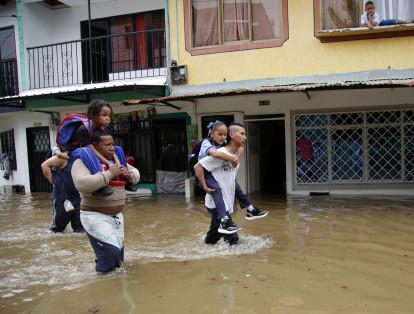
(206, 145)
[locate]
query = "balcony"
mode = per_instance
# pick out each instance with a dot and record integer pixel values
(119, 57)
(9, 85)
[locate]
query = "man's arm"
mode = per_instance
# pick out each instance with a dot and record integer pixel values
(86, 182)
(209, 163)
(52, 162)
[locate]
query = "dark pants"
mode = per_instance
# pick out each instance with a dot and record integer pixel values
(218, 195)
(213, 236)
(61, 217)
(108, 257)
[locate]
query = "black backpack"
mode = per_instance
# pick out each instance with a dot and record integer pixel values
(193, 158)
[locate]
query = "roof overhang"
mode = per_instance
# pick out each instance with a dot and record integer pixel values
(11, 104)
(84, 89)
(275, 89)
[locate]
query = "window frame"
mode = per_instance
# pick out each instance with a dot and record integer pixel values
(132, 17)
(8, 146)
(233, 46)
(359, 33)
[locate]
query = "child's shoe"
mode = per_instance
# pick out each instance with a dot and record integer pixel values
(228, 227)
(256, 213)
(131, 187)
(105, 191)
(68, 205)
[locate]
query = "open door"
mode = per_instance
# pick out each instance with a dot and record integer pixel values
(266, 156)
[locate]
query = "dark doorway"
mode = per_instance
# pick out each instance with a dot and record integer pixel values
(99, 48)
(170, 137)
(227, 119)
(266, 156)
(38, 147)
(9, 85)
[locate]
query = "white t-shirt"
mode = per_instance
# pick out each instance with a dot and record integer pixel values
(364, 18)
(225, 175)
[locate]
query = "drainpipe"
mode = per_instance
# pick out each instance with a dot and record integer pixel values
(167, 44)
(22, 54)
(176, 32)
(90, 40)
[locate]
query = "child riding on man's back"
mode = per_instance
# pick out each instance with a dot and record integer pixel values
(99, 113)
(210, 147)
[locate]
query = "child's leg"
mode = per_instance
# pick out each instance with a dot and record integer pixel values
(231, 239)
(213, 236)
(252, 212)
(60, 216)
(75, 221)
(242, 198)
(217, 195)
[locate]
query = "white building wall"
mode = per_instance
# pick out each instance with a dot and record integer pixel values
(6, 11)
(52, 26)
(43, 26)
(20, 121)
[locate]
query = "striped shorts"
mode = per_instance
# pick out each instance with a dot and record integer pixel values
(106, 235)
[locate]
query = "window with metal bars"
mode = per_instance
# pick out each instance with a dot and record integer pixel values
(8, 147)
(354, 147)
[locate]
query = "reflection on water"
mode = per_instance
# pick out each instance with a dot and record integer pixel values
(310, 255)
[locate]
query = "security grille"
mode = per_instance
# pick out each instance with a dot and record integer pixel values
(41, 142)
(355, 147)
(312, 159)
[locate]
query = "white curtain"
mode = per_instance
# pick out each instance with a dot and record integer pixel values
(395, 9)
(267, 19)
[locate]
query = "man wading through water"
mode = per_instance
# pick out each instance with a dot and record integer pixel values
(225, 175)
(101, 215)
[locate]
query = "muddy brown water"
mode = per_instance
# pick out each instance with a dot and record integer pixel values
(310, 255)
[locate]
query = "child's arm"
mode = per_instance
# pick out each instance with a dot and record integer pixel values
(199, 172)
(62, 155)
(371, 21)
(98, 154)
(130, 173)
(239, 153)
(222, 155)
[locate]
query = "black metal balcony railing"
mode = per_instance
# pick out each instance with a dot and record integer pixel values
(98, 59)
(9, 84)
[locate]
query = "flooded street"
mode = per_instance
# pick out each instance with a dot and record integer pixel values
(310, 255)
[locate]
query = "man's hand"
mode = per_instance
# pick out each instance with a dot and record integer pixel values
(125, 173)
(115, 170)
